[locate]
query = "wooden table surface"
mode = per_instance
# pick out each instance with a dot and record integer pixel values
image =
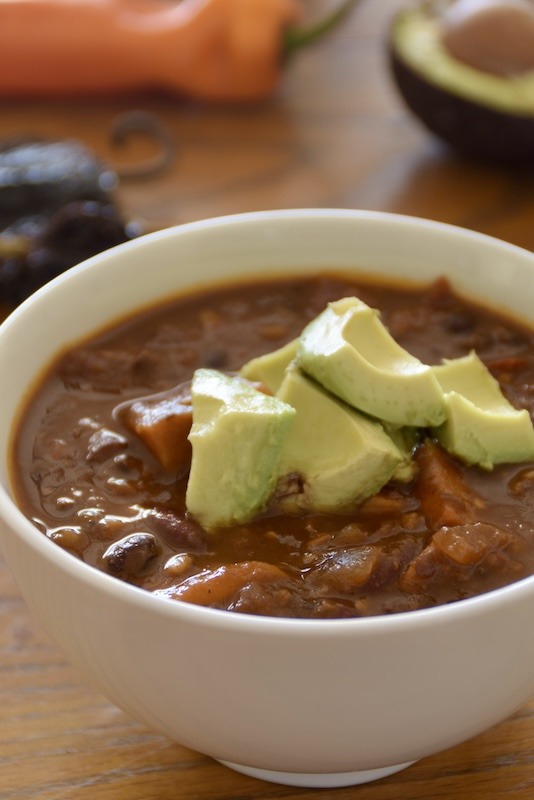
(335, 134)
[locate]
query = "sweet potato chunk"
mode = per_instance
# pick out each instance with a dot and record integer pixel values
(163, 422)
(457, 554)
(444, 496)
(374, 565)
(218, 587)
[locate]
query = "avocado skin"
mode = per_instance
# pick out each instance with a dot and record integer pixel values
(473, 129)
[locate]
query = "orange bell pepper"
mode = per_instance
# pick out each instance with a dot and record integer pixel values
(214, 50)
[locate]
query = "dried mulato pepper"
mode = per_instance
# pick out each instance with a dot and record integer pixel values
(58, 205)
(211, 50)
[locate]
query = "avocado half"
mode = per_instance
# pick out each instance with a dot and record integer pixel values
(479, 114)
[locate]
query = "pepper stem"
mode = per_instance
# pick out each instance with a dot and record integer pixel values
(296, 38)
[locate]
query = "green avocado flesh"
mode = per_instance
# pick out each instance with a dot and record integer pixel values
(482, 427)
(348, 350)
(347, 408)
(237, 438)
(342, 456)
(270, 368)
(416, 40)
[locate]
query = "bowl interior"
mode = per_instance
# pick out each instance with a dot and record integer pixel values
(142, 272)
(271, 665)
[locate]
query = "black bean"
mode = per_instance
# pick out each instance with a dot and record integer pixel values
(180, 533)
(129, 557)
(104, 444)
(216, 359)
(459, 322)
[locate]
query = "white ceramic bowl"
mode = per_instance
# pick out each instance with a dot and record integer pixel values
(304, 702)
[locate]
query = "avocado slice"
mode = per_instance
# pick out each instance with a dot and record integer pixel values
(406, 440)
(482, 427)
(479, 113)
(237, 437)
(270, 368)
(348, 350)
(341, 456)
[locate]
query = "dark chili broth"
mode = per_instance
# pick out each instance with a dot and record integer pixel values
(399, 551)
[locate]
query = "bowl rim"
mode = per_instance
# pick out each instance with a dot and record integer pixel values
(99, 581)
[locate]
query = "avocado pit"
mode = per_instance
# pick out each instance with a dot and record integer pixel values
(494, 36)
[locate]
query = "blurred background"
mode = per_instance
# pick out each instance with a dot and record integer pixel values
(332, 129)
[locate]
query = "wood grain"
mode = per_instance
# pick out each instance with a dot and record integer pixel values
(336, 134)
